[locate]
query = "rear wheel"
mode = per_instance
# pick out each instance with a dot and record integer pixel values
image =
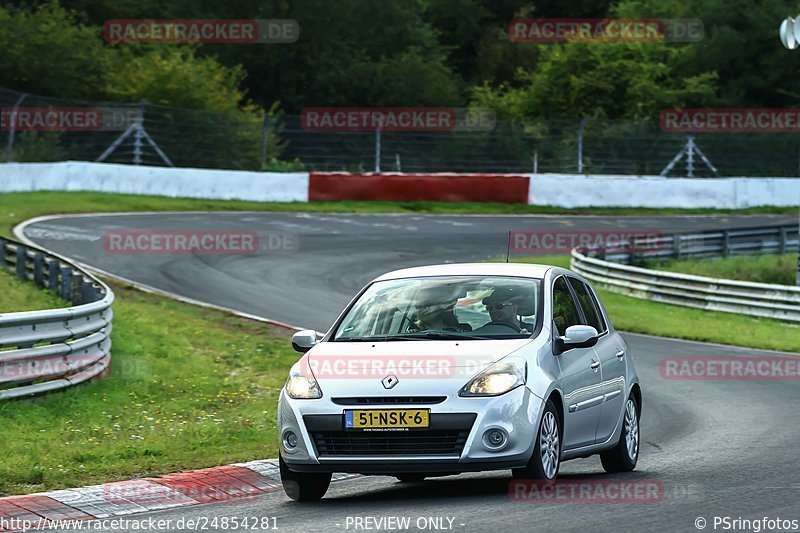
(303, 486)
(546, 458)
(623, 457)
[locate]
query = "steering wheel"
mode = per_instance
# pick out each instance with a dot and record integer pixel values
(505, 324)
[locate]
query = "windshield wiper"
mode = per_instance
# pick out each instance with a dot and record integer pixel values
(445, 336)
(379, 338)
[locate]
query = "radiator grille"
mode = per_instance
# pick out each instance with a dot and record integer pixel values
(427, 442)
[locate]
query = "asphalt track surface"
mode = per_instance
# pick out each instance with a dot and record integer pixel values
(719, 448)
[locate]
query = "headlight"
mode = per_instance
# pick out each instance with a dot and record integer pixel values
(302, 385)
(498, 379)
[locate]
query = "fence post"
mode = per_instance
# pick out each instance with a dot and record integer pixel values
(581, 124)
(676, 246)
(536, 161)
(12, 128)
(137, 136)
(264, 139)
(378, 149)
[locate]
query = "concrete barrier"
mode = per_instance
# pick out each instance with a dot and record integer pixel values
(556, 190)
(158, 181)
(570, 190)
(419, 187)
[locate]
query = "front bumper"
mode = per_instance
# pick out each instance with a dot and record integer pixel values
(454, 442)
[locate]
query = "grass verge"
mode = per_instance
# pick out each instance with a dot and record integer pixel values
(189, 387)
(16, 207)
(665, 320)
(19, 295)
(780, 269)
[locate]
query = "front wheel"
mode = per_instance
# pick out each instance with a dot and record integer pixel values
(303, 486)
(546, 458)
(623, 456)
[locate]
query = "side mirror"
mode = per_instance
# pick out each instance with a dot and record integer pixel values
(304, 340)
(575, 337)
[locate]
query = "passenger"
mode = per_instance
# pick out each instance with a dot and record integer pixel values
(436, 311)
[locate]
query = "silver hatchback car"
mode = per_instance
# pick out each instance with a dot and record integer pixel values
(456, 368)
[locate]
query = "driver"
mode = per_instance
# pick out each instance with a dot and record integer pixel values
(503, 305)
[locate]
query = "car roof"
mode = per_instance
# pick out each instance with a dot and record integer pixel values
(525, 270)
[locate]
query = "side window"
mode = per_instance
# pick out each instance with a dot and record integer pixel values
(587, 303)
(565, 314)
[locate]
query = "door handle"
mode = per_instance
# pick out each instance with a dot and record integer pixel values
(620, 354)
(595, 365)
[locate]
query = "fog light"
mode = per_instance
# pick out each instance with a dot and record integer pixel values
(289, 440)
(495, 438)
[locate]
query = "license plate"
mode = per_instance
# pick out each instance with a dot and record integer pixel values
(386, 419)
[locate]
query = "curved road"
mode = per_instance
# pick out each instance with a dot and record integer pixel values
(718, 448)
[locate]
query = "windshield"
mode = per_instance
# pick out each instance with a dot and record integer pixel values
(456, 307)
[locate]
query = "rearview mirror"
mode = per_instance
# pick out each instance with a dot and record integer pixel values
(575, 337)
(304, 340)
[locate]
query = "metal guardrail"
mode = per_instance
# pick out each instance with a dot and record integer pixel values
(780, 302)
(53, 349)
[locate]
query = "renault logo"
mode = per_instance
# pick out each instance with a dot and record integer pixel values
(389, 381)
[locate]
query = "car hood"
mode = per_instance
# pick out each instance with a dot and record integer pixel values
(403, 367)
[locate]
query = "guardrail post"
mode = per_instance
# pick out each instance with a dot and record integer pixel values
(88, 293)
(21, 257)
(38, 270)
(631, 251)
(726, 242)
(66, 283)
(676, 246)
(3, 244)
(783, 239)
(75, 289)
(52, 276)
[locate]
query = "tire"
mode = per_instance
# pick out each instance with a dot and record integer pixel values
(544, 465)
(624, 456)
(410, 478)
(303, 486)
